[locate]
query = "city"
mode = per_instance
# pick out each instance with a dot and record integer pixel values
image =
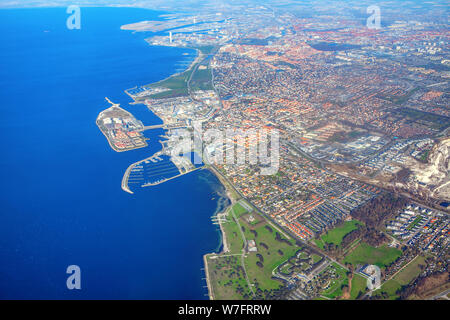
(363, 119)
(238, 153)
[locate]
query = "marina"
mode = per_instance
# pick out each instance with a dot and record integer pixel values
(155, 170)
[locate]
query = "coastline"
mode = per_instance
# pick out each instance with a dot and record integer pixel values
(193, 63)
(232, 196)
(110, 221)
(124, 183)
(208, 280)
(228, 189)
(233, 199)
(176, 74)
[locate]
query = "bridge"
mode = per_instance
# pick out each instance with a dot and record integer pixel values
(157, 126)
(165, 126)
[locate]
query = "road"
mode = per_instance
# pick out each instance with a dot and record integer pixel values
(441, 295)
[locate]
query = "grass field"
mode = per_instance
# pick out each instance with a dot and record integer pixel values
(239, 210)
(202, 79)
(319, 243)
(272, 251)
(438, 122)
(336, 235)
(177, 84)
(207, 49)
(365, 254)
(234, 239)
(404, 277)
(359, 286)
(410, 272)
(276, 253)
(390, 288)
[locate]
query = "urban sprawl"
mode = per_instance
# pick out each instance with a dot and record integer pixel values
(359, 205)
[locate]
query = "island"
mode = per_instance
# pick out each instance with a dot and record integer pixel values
(121, 128)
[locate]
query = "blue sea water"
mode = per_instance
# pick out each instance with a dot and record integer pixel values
(61, 201)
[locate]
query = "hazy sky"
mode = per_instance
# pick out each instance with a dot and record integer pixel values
(52, 3)
(195, 4)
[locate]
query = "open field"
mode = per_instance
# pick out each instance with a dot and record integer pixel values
(336, 235)
(177, 85)
(389, 290)
(202, 79)
(227, 274)
(272, 251)
(239, 210)
(359, 286)
(366, 254)
(411, 271)
(434, 121)
(404, 277)
(233, 236)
